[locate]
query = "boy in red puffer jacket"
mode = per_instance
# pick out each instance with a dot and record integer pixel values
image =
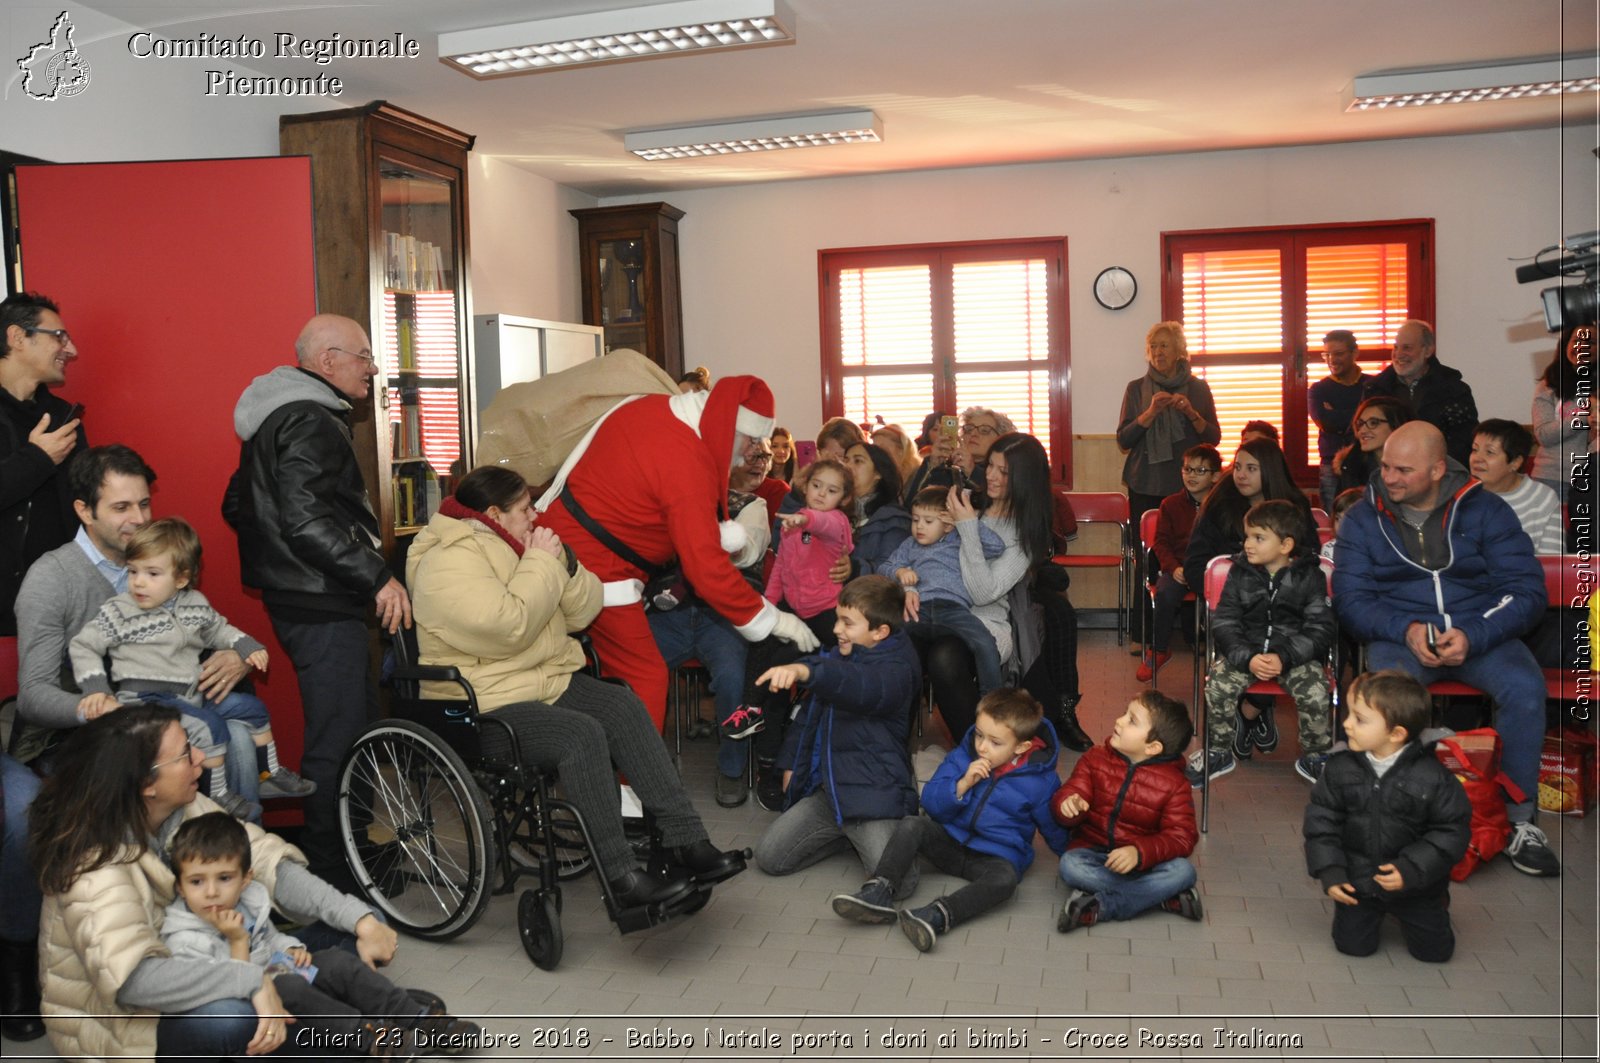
(1132, 819)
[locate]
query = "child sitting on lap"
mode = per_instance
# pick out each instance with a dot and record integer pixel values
(813, 539)
(1387, 822)
(154, 634)
(983, 805)
(1273, 622)
(846, 775)
(222, 914)
(928, 566)
(1132, 818)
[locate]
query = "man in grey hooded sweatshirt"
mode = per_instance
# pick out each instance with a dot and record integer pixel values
(308, 540)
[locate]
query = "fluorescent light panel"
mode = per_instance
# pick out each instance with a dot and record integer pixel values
(770, 134)
(1472, 84)
(679, 28)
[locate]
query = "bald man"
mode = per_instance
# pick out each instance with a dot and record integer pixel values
(1437, 393)
(1434, 574)
(308, 540)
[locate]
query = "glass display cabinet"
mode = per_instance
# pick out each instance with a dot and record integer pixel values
(630, 279)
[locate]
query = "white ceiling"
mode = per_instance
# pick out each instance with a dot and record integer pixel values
(955, 82)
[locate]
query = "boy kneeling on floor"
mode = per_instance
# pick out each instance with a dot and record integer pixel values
(1132, 817)
(983, 805)
(1387, 822)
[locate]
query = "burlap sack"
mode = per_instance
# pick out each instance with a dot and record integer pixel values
(531, 427)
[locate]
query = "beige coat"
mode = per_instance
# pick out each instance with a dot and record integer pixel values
(93, 936)
(504, 621)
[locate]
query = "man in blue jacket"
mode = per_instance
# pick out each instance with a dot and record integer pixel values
(1436, 576)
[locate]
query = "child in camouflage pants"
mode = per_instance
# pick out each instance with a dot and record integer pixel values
(1272, 622)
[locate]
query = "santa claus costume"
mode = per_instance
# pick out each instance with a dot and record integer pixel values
(653, 476)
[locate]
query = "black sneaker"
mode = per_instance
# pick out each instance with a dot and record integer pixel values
(743, 722)
(923, 925)
(1264, 733)
(731, 791)
(1186, 904)
(1529, 852)
(1311, 766)
(1081, 909)
(1222, 762)
(769, 787)
(1243, 729)
(872, 903)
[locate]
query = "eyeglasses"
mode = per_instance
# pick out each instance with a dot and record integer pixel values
(1203, 470)
(365, 356)
(188, 751)
(1371, 422)
(60, 334)
(984, 430)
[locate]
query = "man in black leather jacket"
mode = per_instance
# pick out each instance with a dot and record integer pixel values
(308, 540)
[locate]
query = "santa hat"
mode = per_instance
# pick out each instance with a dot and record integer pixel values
(740, 404)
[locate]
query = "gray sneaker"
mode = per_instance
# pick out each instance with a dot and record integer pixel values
(285, 783)
(239, 807)
(731, 791)
(872, 903)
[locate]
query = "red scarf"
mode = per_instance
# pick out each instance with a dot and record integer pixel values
(451, 508)
(1018, 757)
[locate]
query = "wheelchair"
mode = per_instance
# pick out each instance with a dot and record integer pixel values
(432, 827)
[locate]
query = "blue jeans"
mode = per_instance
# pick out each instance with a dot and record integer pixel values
(807, 833)
(1124, 896)
(19, 915)
(1327, 486)
(218, 1030)
(695, 631)
(952, 618)
(1511, 678)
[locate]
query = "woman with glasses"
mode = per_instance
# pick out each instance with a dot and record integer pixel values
(123, 785)
(962, 464)
(1375, 419)
(1164, 413)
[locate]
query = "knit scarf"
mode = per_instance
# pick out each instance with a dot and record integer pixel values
(451, 508)
(1166, 433)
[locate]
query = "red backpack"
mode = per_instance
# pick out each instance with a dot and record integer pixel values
(1474, 757)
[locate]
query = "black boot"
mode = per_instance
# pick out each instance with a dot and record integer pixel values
(638, 888)
(705, 863)
(19, 991)
(1069, 730)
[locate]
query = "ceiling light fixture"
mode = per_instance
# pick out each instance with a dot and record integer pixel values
(679, 28)
(1551, 76)
(763, 134)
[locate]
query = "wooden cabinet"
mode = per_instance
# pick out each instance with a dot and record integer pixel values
(390, 220)
(630, 279)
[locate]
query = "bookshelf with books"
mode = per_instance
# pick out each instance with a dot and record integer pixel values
(390, 203)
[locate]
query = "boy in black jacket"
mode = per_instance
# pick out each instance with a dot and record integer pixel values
(1273, 622)
(1387, 822)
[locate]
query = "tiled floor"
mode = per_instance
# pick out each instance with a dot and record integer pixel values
(1258, 977)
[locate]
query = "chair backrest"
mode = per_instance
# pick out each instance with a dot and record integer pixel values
(1324, 522)
(1217, 577)
(1147, 528)
(9, 683)
(1099, 507)
(1568, 579)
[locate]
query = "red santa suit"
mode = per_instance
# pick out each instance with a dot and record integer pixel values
(654, 474)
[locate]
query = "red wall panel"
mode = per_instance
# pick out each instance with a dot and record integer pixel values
(180, 282)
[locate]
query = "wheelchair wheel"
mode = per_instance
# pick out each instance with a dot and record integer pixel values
(539, 926)
(417, 831)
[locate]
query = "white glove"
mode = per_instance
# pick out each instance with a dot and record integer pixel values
(791, 628)
(758, 534)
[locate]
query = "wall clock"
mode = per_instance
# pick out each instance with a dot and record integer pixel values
(1115, 288)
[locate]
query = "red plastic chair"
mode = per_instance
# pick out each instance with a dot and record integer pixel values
(1569, 580)
(1216, 577)
(1147, 540)
(1105, 507)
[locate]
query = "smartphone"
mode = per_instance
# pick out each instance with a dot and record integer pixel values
(805, 452)
(1433, 640)
(950, 430)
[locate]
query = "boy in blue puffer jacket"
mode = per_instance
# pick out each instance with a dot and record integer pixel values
(983, 806)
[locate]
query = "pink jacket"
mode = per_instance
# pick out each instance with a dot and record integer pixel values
(800, 573)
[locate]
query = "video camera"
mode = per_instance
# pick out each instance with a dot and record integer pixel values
(1567, 304)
